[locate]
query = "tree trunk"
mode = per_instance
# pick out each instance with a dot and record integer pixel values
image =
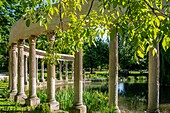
(153, 83)
(113, 72)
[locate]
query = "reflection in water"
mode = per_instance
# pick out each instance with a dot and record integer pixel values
(133, 96)
(121, 89)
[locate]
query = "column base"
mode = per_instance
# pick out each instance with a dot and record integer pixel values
(117, 110)
(12, 96)
(53, 106)
(20, 98)
(78, 109)
(32, 101)
(155, 111)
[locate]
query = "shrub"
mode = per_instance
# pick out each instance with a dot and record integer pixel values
(42, 95)
(4, 93)
(42, 108)
(65, 98)
(95, 101)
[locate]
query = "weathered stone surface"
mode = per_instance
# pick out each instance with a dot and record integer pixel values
(153, 83)
(51, 79)
(20, 97)
(37, 80)
(60, 71)
(42, 71)
(53, 106)
(66, 74)
(12, 96)
(113, 73)
(10, 69)
(26, 70)
(78, 106)
(78, 109)
(72, 70)
(14, 71)
(32, 101)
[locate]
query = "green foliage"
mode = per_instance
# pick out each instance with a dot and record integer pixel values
(42, 108)
(128, 57)
(96, 55)
(95, 101)
(42, 95)
(164, 67)
(4, 93)
(65, 98)
(10, 11)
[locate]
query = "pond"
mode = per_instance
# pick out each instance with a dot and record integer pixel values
(133, 95)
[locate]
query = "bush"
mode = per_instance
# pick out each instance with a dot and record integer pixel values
(4, 93)
(42, 108)
(42, 95)
(65, 98)
(95, 101)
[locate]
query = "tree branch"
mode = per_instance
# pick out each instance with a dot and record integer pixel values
(155, 9)
(89, 9)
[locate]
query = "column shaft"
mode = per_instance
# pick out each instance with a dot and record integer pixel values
(72, 70)
(60, 71)
(21, 94)
(10, 68)
(78, 106)
(51, 83)
(42, 71)
(26, 70)
(37, 80)
(14, 71)
(66, 74)
(113, 72)
(153, 83)
(32, 99)
(51, 77)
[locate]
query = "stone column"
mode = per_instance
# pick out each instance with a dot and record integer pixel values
(37, 80)
(66, 63)
(72, 70)
(113, 72)
(20, 97)
(10, 69)
(32, 100)
(42, 71)
(153, 82)
(26, 70)
(78, 106)
(14, 71)
(54, 105)
(60, 71)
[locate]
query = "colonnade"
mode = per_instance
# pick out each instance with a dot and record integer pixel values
(19, 77)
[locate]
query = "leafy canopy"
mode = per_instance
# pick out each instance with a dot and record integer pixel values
(146, 21)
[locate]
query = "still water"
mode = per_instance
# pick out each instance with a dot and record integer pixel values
(133, 96)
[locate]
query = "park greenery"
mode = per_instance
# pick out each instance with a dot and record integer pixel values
(64, 97)
(142, 26)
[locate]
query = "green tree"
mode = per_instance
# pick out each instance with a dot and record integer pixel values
(127, 56)
(96, 55)
(10, 11)
(146, 22)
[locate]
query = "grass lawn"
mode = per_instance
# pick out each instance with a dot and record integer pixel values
(7, 106)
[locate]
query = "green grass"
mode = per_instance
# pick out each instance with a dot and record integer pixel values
(10, 106)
